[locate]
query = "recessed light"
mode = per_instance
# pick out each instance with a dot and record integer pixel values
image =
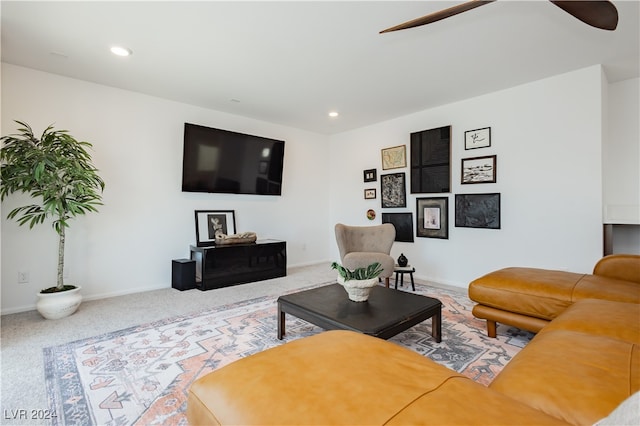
(333, 114)
(121, 51)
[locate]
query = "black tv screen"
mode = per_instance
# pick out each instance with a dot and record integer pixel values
(222, 161)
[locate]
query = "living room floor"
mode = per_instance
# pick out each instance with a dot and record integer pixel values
(25, 334)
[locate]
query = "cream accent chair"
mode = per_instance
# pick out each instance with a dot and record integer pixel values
(360, 246)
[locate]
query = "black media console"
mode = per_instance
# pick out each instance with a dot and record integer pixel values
(231, 264)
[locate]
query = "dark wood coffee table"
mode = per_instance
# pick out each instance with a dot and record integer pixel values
(386, 313)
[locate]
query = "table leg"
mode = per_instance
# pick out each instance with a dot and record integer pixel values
(280, 323)
(396, 280)
(436, 326)
(413, 286)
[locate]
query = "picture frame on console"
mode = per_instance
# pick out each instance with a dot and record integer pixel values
(211, 222)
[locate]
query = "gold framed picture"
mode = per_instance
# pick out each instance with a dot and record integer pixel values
(394, 157)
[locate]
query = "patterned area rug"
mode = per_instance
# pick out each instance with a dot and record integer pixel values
(140, 375)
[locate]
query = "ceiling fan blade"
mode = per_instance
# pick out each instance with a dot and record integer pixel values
(441, 14)
(597, 13)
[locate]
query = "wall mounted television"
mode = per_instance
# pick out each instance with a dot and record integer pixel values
(222, 161)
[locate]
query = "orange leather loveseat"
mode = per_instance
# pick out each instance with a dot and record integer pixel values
(581, 368)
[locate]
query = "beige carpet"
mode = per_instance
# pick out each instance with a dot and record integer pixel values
(23, 336)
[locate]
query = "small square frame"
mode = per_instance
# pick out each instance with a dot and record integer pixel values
(370, 194)
(393, 190)
(394, 157)
(432, 217)
(478, 138)
(370, 175)
(478, 170)
(209, 222)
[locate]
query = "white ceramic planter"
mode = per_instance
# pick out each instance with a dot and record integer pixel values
(358, 290)
(58, 305)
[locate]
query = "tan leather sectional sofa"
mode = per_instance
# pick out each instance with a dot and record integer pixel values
(582, 367)
(529, 298)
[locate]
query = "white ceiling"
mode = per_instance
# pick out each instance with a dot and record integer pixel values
(292, 62)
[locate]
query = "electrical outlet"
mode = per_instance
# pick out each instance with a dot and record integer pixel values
(23, 277)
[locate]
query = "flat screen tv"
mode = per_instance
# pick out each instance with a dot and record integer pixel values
(222, 161)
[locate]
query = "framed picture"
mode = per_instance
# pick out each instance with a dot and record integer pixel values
(403, 222)
(393, 190)
(369, 193)
(478, 210)
(479, 170)
(394, 157)
(370, 175)
(432, 217)
(478, 138)
(209, 223)
(431, 161)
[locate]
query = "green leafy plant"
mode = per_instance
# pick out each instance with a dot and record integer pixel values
(56, 171)
(371, 271)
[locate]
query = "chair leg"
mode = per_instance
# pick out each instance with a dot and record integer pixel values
(386, 282)
(491, 329)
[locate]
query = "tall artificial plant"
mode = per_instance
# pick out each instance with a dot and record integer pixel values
(56, 171)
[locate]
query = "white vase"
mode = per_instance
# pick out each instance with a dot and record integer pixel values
(358, 290)
(59, 304)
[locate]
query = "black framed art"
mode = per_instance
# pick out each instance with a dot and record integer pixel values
(393, 190)
(210, 223)
(478, 138)
(369, 193)
(431, 161)
(478, 210)
(370, 175)
(403, 222)
(478, 170)
(432, 217)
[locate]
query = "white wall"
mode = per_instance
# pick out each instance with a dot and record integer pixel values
(621, 154)
(146, 220)
(547, 138)
(620, 164)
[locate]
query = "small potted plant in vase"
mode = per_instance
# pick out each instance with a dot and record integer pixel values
(56, 171)
(359, 282)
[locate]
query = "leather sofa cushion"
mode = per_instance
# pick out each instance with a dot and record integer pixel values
(342, 377)
(624, 267)
(600, 287)
(540, 293)
(574, 376)
(600, 317)
(463, 402)
(543, 293)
